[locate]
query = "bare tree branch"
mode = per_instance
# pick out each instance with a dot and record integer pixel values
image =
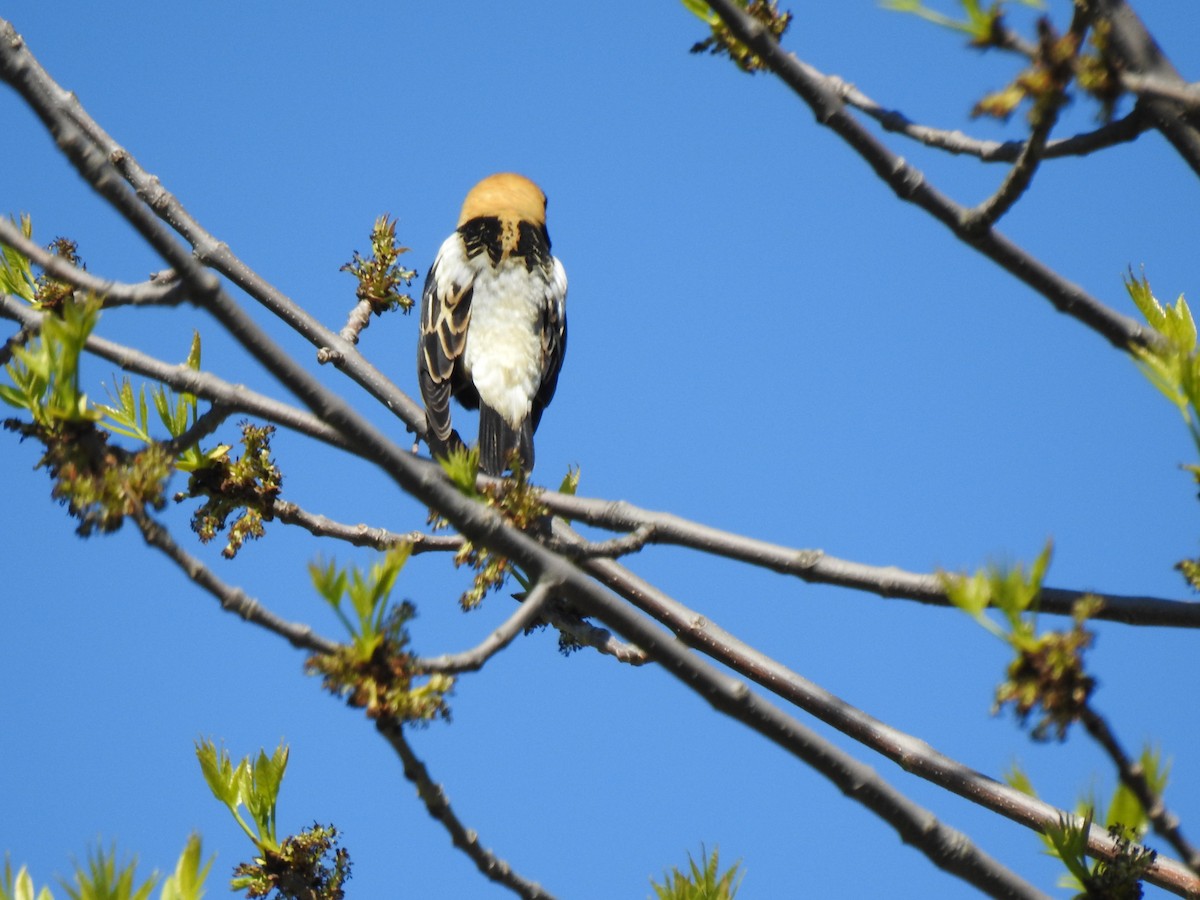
(20, 338)
(601, 639)
(232, 599)
(953, 141)
(472, 660)
(818, 567)
(363, 535)
(1182, 92)
(115, 293)
(612, 548)
(1045, 115)
(910, 184)
(204, 425)
(438, 805)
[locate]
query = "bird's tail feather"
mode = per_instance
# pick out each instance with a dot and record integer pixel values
(497, 441)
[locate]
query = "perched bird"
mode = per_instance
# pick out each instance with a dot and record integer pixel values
(493, 322)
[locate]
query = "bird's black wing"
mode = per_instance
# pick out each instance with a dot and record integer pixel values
(445, 315)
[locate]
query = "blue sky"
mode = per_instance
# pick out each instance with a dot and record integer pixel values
(763, 338)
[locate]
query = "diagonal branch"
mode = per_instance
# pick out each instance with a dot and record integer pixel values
(818, 567)
(1045, 114)
(952, 141)
(910, 184)
(204, 425)
(600, 639)
(438, 805)
(115, 293)
(232, 599)
(183, 378)
(1178, 91)
(910, 753)
(525, 616)
(362, 535)
(68, 114)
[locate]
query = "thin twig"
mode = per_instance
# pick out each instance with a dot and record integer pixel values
(357, 321)
(612, 548)
(19, 338)
(363, 535)
(588, 635)
(1019, 177)
(232, 599)
(115, 293)
(204, 425)
(953, 141)
(526, 615)
(1180, 91)
(438, 805)
(818, 567)
(1166, 823)
(1045, 115)
(1015, 183)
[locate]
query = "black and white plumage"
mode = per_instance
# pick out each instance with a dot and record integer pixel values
(493, 322)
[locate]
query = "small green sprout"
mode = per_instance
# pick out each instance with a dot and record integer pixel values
(702, 881)
(381, 277)
(1047, 672)
(374, 671)
(722, 42)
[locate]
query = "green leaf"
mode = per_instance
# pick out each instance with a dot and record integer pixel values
(193, 357)
(462, 466)
(16, 274)
(1068, 839)
(702, 881)
(701, 11)
(187, 881)
(103, 880)
(263, 794)
(1018, 778)
(21, 888)
(570, 482)
(218, 772)
(252, 785)
(1125, 809)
